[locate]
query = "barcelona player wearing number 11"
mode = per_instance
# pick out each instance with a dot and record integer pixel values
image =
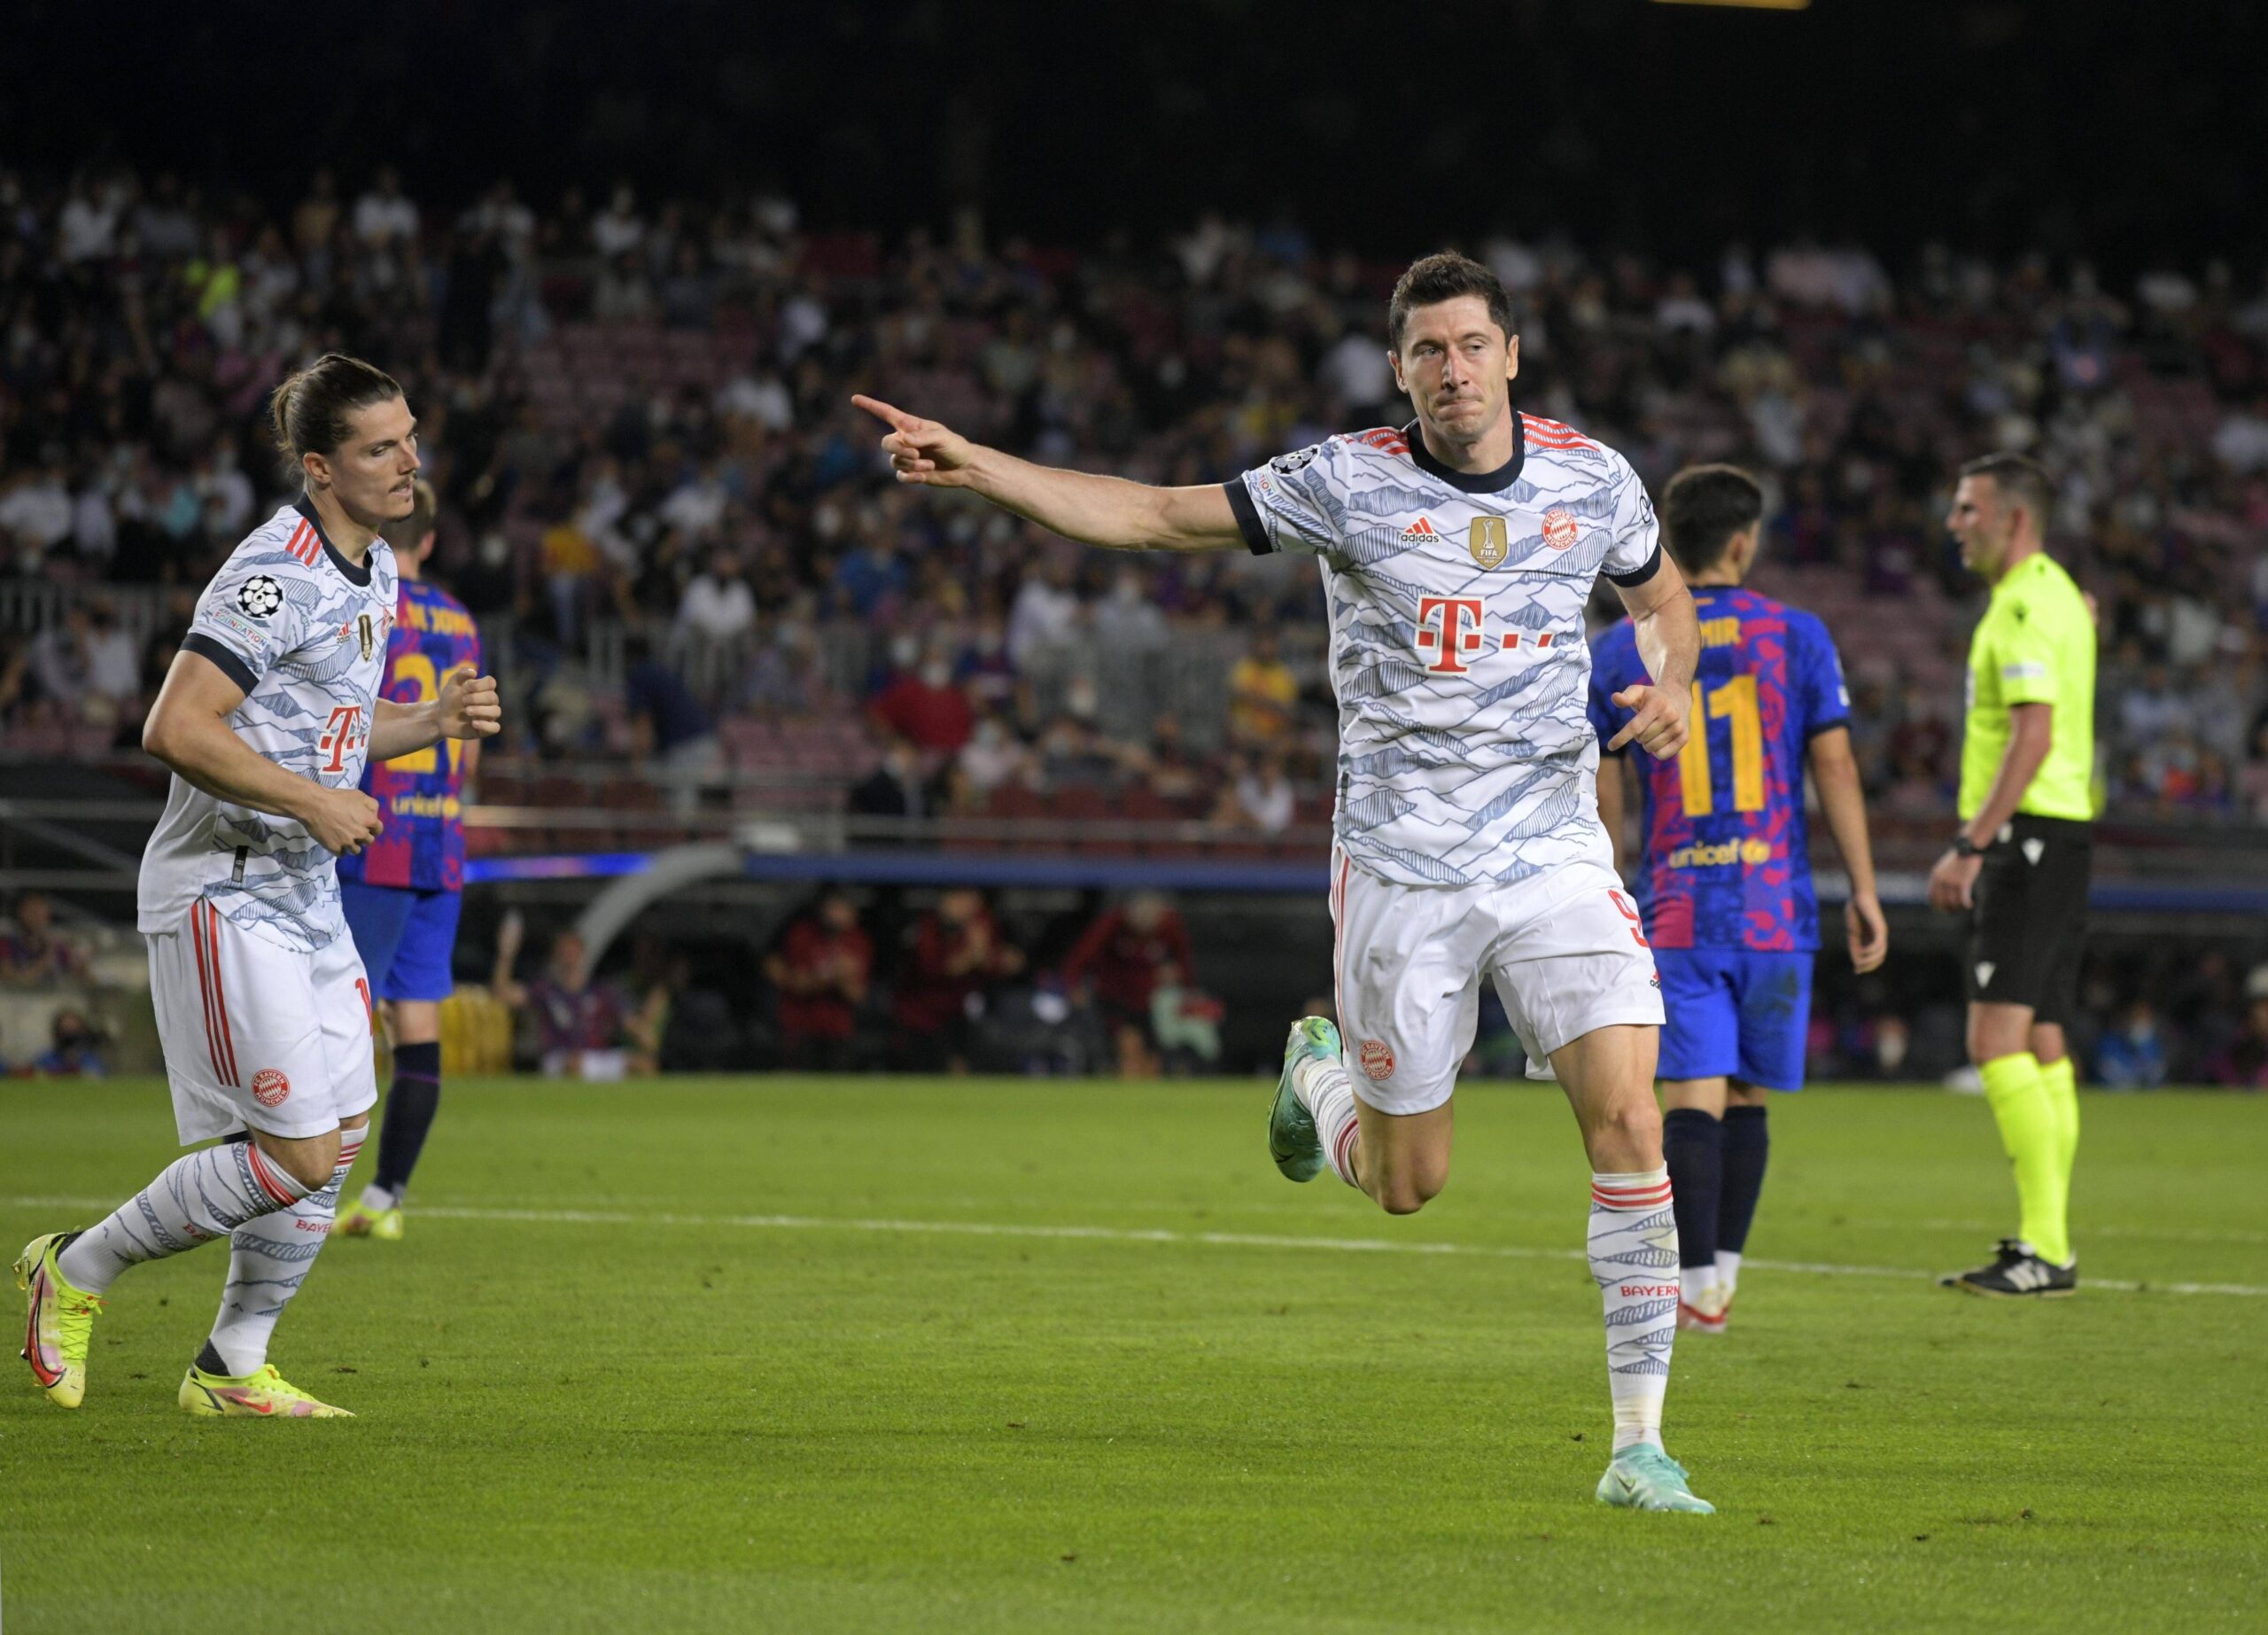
(1725, 879)
(402, 894)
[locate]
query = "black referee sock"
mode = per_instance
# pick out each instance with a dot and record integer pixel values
(410, 1106)
(1693, 1147)
(1748, 1143)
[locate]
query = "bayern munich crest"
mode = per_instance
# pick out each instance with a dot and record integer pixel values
(1558, 528)
(1377, 1058)
(269, 1087)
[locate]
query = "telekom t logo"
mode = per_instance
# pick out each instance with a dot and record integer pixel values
(342, 735)
(1447, 628)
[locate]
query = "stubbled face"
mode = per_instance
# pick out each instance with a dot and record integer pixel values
(373, 474)
(1457, 367)
(1981, 524)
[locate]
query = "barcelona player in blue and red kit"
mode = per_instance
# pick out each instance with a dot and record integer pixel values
(1724, 883)
(403, 892)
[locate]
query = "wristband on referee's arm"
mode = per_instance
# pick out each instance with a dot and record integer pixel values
(1964, 846)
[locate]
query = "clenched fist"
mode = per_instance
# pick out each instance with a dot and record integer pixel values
(470, 705)
(342, 821)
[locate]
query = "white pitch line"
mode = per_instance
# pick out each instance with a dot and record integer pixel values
(1153, 1234)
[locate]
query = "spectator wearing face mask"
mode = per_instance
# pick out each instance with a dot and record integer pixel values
(983, 669)
(925, 708)
(992, 756)
(2132, 1054)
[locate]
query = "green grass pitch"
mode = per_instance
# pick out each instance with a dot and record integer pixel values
(869, 1355)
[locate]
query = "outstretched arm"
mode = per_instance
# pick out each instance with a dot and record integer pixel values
(1108, 511)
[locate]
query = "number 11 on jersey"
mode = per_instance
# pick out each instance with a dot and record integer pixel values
(1734, 703)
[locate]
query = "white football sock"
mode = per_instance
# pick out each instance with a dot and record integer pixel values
(1633, 1258)
(1328, 1093)
(378, 1200)
(268, 1259)
(200, 1195)
(1694, 1282)
(1728, 1270)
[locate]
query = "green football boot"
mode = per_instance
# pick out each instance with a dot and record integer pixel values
(1643, 1477)
(1292, 1138)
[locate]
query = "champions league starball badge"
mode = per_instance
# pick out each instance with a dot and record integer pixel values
(260, 596)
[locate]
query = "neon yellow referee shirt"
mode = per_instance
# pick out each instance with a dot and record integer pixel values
(2034, 645)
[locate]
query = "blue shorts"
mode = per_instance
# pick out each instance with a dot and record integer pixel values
(405, 938)
(1734, 1013)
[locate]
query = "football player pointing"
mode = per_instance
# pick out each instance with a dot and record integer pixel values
(265, 719)
(1457, 554)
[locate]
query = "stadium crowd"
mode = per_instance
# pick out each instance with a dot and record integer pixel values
(635, 411)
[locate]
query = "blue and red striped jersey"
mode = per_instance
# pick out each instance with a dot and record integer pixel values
(421, 844)
(1728, 857)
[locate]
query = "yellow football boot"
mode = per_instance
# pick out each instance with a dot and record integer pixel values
(363, 1221)
(263, 1394)
(57, 1323)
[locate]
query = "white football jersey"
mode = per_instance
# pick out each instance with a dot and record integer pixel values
(1458, 650)
(303, 631)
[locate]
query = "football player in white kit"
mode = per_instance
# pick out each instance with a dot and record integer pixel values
(266, 719)
(1457, 554)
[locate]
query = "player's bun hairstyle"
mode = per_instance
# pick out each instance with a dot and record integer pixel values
(313, 412)
(2021, 479)
(1703, 508)
(1444, 276)
(406, 533)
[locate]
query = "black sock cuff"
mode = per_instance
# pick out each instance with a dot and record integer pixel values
(418, 1060)
(1691, 1123)
(1744, 1125)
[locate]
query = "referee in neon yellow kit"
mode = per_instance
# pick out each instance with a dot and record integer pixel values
(2021, 861)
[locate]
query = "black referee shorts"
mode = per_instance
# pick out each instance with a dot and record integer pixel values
(2030, 923)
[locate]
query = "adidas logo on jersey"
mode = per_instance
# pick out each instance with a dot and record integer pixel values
(1420, 531)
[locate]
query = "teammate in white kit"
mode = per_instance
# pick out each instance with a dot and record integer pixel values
(266, 719)
(1457, 555)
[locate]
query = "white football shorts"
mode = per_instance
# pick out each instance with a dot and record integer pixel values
(258, 1036)
(1565, 950)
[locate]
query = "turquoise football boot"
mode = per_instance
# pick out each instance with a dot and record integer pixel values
(1643, 1477)
(1292, 1138)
